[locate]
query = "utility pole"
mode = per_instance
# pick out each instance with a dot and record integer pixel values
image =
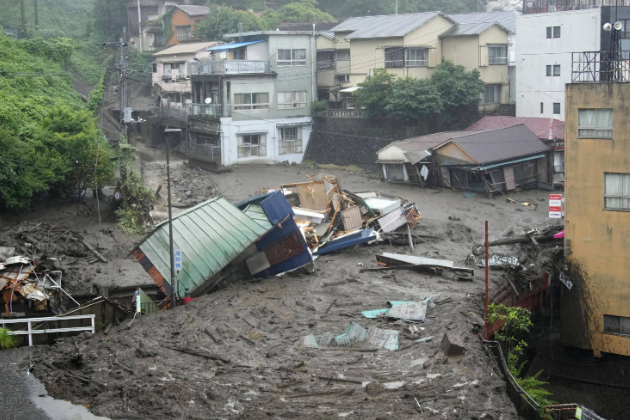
(396, 6)
(170, 215)
(23, 13)
(139, 26)
(122, 85)
(36, 15)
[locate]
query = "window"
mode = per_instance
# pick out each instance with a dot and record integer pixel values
(556, 69)
(158, 40)
(625, 31)
(542, 108)
(553, 32)
(343, 55)
(290, 140)
(556, 107)
(617, 192)
(417, 57)
(394, 57)
(154, 67)
(497, 54)
(340, 79)
(595, 123)
(616, 325)
(176, 97)
(252, 145)
(288, 58)
(184, 33)
(553, 70)
(245, 101)
(492, 94)
(288, 100)
(525, 173)
(325, 59)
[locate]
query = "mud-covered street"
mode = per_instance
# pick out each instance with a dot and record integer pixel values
(240, 352)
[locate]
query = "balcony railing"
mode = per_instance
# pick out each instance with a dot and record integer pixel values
(207, 151)
(497, 60)
(213, 110)
(186, 37)
(544, 6)
(600, 66)
(325, 64)
(229, 67)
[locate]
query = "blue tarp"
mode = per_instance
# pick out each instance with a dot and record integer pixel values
(233, 46)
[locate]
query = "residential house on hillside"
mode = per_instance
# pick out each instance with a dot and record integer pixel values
(183, 19)
(251, 99)
(170, 78)
(552, 34)
(412, 45)
(549, 130)
(145, 29)
(486, 161)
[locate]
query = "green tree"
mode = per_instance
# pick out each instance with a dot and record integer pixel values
(375, 93)
(108, 19)
(58, 50)
(446, 6)
(413, 99)
(459, 89)
(345, 8)
(303, 11)
(225, 20)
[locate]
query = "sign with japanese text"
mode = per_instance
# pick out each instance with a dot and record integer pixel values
(555, 206)
(178, 259)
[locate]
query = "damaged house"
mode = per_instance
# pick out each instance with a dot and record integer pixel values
(494, 160)
(216, 237)
(485, 161)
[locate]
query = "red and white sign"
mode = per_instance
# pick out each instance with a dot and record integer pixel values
(117, 196)
(555, 206)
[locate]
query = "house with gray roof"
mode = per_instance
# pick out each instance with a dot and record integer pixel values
(411, 45)
(489, 161)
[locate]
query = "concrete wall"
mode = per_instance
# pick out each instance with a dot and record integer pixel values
(231, 128)
(599, 239)
(580, 32)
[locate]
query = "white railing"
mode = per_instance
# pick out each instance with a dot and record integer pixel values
(206, 109)
(206, 150)
(229, 67)
(30, 331)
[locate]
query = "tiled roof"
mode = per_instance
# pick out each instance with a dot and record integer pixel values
(194, 10)
(384, 26)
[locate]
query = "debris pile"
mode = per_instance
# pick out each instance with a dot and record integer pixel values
(26, 286)
(331, 218)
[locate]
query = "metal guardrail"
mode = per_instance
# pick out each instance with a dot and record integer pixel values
(545, 6)
(600, 66)
(325, 64)
(30, 331)
(205, 150)
(229, 67)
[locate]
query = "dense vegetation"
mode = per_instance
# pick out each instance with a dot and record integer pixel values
(48, 139)
(451, 91)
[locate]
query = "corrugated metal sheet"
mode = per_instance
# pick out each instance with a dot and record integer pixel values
(506, 18)
(353, 333)
(256, 212)
(210, 235)
(384, 26)
(471, 29)
(387, 339)
(411, 311)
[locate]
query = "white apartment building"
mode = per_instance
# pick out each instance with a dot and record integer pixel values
(546, 44)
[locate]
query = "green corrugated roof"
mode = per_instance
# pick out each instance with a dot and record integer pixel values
(210, 235)
(256, 212)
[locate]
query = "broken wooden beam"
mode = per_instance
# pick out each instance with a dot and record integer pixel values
(95, 252)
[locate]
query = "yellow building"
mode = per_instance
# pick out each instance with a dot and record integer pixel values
(596, 310)
(412, 45)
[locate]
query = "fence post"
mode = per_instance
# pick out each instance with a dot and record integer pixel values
(30, 336)
(92, 319)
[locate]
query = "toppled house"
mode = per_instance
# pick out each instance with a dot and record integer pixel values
(215, 237)
(486, 161)
(549, 130)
